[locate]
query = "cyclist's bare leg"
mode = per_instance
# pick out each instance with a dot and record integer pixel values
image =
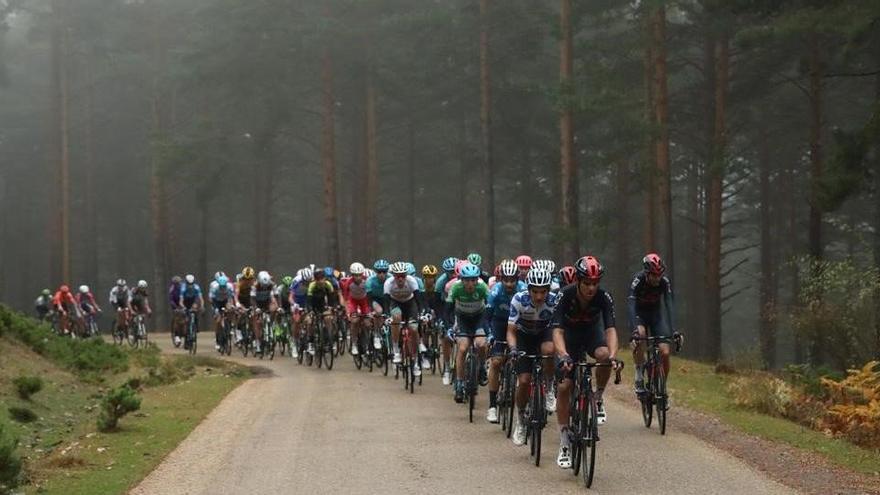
(482, 348)
(495, 365)
(563, 394)
(523, 382)
(603, 374)
(395, 330)
(446, 345)
(463, 343)
(639, 347)
(547, 349)
(664, 358)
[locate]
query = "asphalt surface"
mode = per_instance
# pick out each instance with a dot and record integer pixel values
(304, 430)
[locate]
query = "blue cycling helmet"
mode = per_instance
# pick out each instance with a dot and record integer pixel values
(222, 280)
(449, 263)
(470, 270)
(381, 265)
(410, 269)
(328, 271)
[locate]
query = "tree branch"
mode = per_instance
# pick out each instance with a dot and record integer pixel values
(734, 294)
(730, 270)
(853, 74)
(738, 249)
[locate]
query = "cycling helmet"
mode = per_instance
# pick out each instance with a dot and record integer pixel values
(539, 265)
(328, 271)
(448, 264)
(398, 268)
(508, 268)
(381, 265)
(410, 269)
(47, 292)
(307, 274)
(524, 261)
(247, 273)
(223, 280)
(469, 270)
(550, 266)
(64, 289)
(538, 278)
(429, 271)
(475, 259)
(219, 274)
(176, 279)
(369, 272)
(569, 274)
(121, 282)
(287, 280)
(190, 279)
(319, 273)
(84, 289)
(356, 268)
(458, 265)
(142, 284)
(264, 278)
(589, 268)
(653, 264)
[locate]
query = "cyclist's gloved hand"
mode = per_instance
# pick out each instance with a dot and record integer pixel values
(564, 362)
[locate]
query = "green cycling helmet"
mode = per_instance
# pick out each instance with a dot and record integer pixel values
(47, 292)
(287, 280)
(475, 259)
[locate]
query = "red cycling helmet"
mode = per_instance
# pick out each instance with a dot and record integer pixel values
(497, 272)
(524, 261)
(589, 268)
(653, 264)
(458, 265)
(569, 275)
(64, 289)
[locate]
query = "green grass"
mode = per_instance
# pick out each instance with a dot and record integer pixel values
(697, 386)
(167, 416)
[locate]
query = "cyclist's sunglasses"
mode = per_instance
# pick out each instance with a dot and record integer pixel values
(399, 275)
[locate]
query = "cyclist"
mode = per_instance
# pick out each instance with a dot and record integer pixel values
(320, 298)
(448, 266)
(284, 296)
(583, 323)
(43, 304)
(357, 304)
(568, 275)
(376, 293)
(299, 298)
(86, 301)
(528, 330)
(65, 304)
(403, 300)
(468, 299)
(140, 300)
(497, 311)
(651, 310)
(243, 301)
(120, 298)
(177, 322)
(221, 295)
(191, 299)
(433, 305)
(524, 263)
(263, 296)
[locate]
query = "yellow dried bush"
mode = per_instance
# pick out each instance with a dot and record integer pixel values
(854, 410)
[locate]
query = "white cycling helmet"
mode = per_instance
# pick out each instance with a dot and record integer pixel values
(264, 278)
(84, 289)
(550, 266)
(142, 284)
(369, 272)
(509, 268)
(538, 277)
(356, 268)
(190, 278)
(308, 275)
(121, 282)
(398, 268)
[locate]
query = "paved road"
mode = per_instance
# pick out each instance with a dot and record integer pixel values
(304, 430)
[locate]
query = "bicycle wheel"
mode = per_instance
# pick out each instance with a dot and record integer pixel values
(661, 399)
(131, 336)
(577, 430)
(536, 421)
(508, 398)
(117, 336)
(592, 439)
(647, 398)
(471, 365)
(328, 355)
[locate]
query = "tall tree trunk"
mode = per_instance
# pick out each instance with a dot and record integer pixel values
(768, 309)
(713, 209)
(567, 205)
(526, 192)
(649, 235)
(877, 214)
(158, 200)
(817, 345)
(60, 98)
(372, 168)
(488, 224)
(91, 215)
(463, 198)
(661, 109)
(621, 208)
(411, 183)
(203, 208)
(328, 160)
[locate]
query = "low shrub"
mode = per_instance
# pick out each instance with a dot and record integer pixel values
(26, 386)
(22, 414)
(90, 357)
(741, 361)
(119, 402)
(10, 462)
(855, 406)
(762, 392)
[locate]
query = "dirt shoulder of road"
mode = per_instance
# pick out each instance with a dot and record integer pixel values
(804, 471)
